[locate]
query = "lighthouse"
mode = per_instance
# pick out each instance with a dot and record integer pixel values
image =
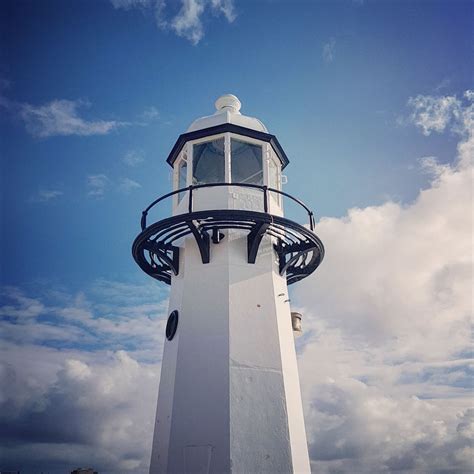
(229, 396)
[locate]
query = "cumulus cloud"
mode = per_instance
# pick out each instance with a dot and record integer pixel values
(91, 358)
(62, 409)
(385, 361)
(61, 117)
(188, 22)
(329, 51)
(357, 427)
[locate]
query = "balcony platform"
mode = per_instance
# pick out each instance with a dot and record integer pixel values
(298, 248)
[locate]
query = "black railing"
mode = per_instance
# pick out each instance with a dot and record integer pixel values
(265, 190)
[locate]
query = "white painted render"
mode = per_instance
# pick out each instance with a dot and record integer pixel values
(227, 111)
(229, 397)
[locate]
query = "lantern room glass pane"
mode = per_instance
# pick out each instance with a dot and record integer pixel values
(209, 162)
(246, 162)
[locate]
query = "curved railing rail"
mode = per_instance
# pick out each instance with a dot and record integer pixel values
(265, 190)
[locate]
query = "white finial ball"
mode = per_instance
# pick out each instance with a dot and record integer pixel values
(228, 101)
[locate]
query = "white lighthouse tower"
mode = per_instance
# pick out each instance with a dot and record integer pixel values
(229, 397)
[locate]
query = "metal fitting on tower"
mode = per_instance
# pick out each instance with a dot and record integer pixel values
(296, 323)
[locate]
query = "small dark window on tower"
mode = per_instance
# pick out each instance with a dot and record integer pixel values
(172, 325)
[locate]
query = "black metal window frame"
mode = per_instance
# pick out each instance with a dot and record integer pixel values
(195, 157)
(234, 141)
(228, 128)
(228, 137)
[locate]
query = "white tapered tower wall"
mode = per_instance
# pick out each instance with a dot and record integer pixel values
(229, 397)
(229, 390)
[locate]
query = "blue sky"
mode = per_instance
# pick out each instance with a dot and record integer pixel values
(336, 118)
(368, 99)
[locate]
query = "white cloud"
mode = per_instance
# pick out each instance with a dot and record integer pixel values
(108, 402)
(384, 363)
(433, 113)
(367, 411)
(109, 315)
(97, 185)
(159, 10)
(329, 50)
(128, 185)
(357, 427)
(91, 358)
(149, 114)
(438, 113)
(61, 117)
(188, 22)
(133, 157)
(469, 95)
(45, 195)
(226, 7)
(18, 305)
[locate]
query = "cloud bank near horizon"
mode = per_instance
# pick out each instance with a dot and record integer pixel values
(386, 363)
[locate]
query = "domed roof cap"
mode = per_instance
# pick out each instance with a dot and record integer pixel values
(227, 111)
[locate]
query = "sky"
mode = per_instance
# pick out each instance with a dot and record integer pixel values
(372, 103)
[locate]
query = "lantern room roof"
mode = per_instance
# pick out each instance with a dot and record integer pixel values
(227, 111)
(228, 118)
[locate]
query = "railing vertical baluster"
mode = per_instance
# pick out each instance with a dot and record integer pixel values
(190, 207)
(265, 189)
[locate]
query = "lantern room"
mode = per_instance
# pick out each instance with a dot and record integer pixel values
(228, 147)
